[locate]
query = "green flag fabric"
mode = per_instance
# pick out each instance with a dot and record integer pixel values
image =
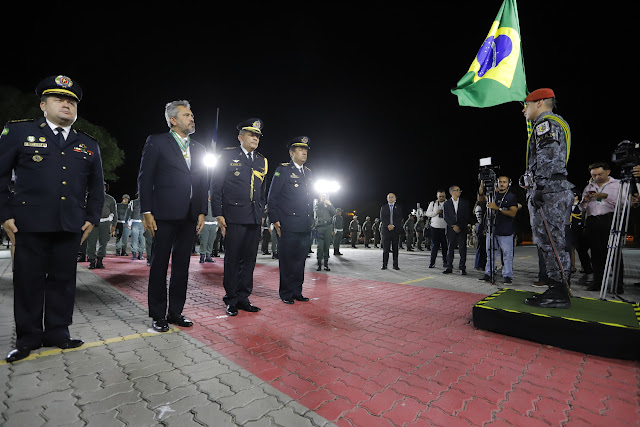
(496, 74)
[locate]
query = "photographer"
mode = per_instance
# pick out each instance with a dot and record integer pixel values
(599, 202)
(500, 226)
(438, 227)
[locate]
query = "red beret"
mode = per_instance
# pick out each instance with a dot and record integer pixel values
(539, 94)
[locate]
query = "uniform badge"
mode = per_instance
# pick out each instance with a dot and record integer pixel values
(543, 128)
(31, 138)
(293, 175)
(42, 139)
(35, 144)
(37, 158)
(237, 173)
(295, 185)
(5, 131)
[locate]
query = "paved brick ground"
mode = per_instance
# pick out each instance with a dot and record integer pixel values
(391, 348)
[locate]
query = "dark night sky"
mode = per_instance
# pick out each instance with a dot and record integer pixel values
(369, 83)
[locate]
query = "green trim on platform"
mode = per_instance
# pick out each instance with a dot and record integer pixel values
(586, 310)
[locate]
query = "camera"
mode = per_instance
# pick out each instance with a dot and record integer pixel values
(488, 175)
(626, 156)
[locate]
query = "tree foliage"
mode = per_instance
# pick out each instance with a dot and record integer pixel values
(16, 105)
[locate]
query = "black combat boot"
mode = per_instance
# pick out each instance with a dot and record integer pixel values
(326, 265)
(319, 266)
(99, 263)
(140, 255)
(208, 258)
(201, 258)
(134, 255)
(92, 264)
(556, 296)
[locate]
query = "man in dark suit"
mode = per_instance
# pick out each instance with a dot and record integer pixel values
(390, 229)
(291, 210)
(55, 203)
(238, 198)
(457, 214)
(173, 185)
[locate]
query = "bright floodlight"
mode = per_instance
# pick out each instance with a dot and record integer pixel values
(210, 160)
(323, 186)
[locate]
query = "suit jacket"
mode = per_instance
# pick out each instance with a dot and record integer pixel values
(385, 220)
(57, 187)
(461, 218)
(290, 198)
(238, 187)
(167, 187)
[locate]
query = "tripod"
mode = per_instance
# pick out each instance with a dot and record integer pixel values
(617, 235)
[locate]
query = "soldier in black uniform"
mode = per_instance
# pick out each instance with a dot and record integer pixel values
(56, 202)
(291, 210)
(238, 198)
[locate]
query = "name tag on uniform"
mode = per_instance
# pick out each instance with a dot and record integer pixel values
(36, 144)
(235, 164)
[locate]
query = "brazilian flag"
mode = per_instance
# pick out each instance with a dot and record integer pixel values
(496, 75)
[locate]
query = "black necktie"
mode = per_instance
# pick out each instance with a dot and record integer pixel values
(60, 136)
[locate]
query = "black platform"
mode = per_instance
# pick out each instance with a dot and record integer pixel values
(592, 326)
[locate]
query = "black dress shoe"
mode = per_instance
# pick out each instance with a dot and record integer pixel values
(395, 267)
(180, 321)
(232, 310)
(447, 271)
(160, 325)
(463, 272)
(301, 298)
(384, 267)
(288, 301)
(69, 343)
(326, 268)
(247, 306)
(18, 354)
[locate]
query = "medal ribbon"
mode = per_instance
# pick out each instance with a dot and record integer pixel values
(184, 144)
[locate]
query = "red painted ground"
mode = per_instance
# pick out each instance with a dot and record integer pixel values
(367, 353)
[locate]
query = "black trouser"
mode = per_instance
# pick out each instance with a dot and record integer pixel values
(266, 238)
(598, 229)
(580, 243)
(390, 241)
(456, 239)
(173, 239)
(44, 286)
(241, 249)
(438, 242)
(292, 254)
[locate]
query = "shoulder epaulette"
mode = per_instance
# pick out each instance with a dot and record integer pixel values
(20, 121)
(84, 133)
(307, 168)
(285, 164)
(229, 148)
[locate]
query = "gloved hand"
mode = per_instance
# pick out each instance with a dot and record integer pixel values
(537, 200)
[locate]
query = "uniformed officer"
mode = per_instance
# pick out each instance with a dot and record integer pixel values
(338, 229)
(550, 194)
(238, 197)
(323, 222)
(291, 209)
(104, 230)
(57, 199)
(367, 231)
(122, 230)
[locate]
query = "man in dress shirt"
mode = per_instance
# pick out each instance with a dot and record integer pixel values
(438, 227)
(457, 214)
(599, 201)
(390, 229)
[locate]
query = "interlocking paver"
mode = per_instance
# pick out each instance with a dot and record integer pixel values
(354, 355)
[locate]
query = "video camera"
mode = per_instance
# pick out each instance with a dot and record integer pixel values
(488, 175)
(626, 156)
